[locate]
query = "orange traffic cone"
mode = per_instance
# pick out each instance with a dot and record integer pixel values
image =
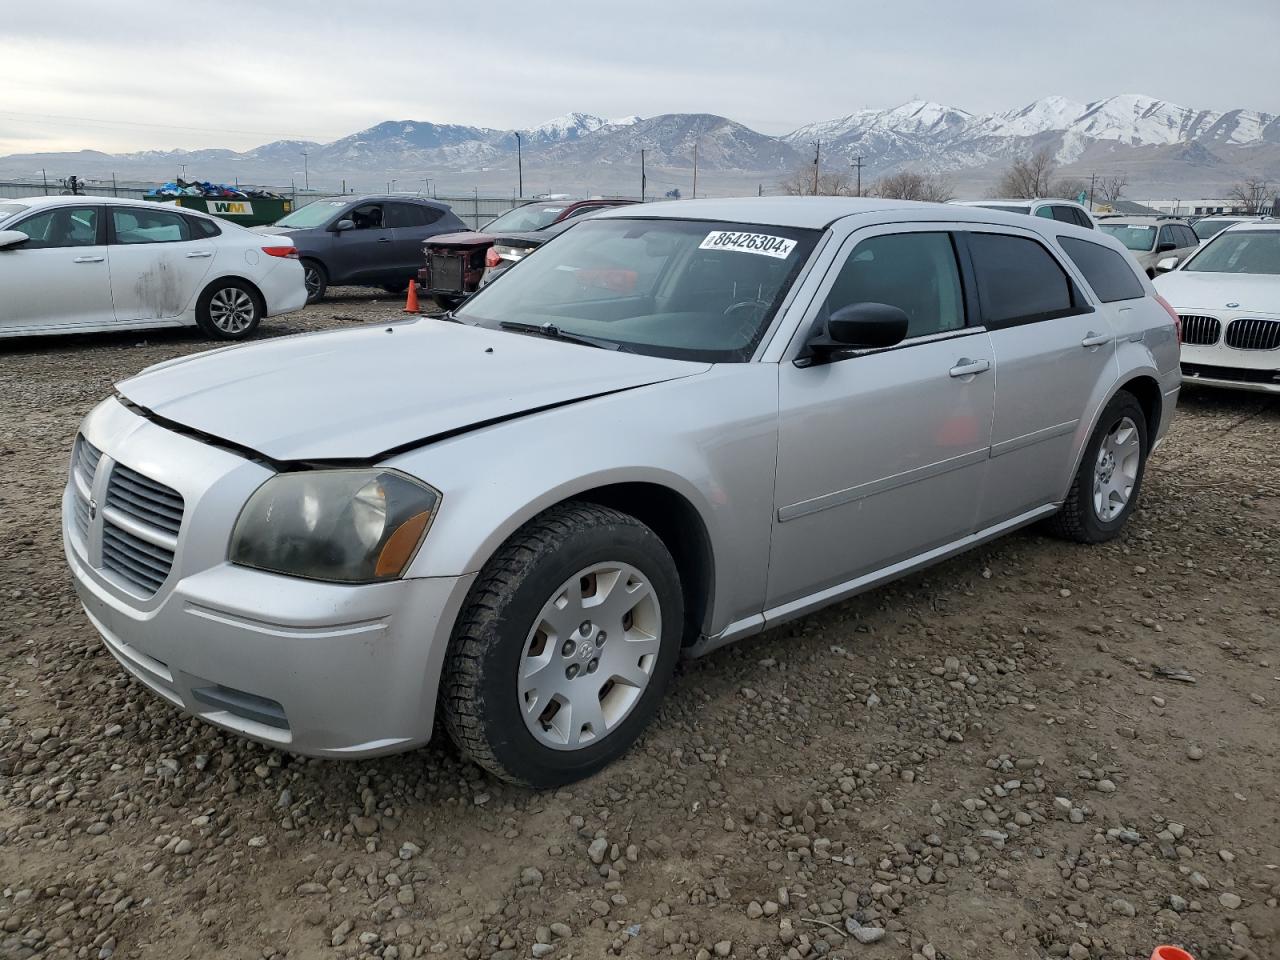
(411, 301)
(1170, 953)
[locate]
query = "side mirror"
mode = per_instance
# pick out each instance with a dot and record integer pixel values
(1167, 245)
(11, 238)
(344, 224)
(861, 326)
(1167, 264)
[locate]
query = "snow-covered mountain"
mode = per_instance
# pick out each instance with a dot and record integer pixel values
(1145, 136)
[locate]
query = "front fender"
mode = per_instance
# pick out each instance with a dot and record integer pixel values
(711, 439)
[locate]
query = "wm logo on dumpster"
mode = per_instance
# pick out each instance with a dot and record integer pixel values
(231, 208)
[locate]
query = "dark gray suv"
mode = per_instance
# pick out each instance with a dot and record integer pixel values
(368, 241)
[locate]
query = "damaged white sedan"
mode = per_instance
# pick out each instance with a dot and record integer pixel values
(94, 264)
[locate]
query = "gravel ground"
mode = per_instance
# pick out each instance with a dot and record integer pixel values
(1034, 750)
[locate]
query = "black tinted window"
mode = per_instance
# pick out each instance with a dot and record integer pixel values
(202, 229)
(1082, 219)
(1189, 238)
(1018, 281)
(367, 216)
(409, 215)
(60, 227)
(915, 272)
(1065, 214)
(1107, 271)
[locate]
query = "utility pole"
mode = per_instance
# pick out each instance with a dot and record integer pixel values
(643, 179)
(45, 177)
(1093, 177)
(817, 158)
(183, 175)
(695, 169)
(306, 173)
(857, 165)
(520, 164)
(115, 191)
(760, 190)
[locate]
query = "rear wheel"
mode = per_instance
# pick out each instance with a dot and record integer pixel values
(315, 279)
(1106, 487)
(229, 310)
(565, 647)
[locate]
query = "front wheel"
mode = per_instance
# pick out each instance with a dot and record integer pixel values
(1106, 487)
(565, 647)
(229, 310)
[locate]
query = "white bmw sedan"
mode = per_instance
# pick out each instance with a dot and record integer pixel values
(91, 264)
(1228, 295)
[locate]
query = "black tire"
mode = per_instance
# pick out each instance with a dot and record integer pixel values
(316, 279)
(1078, 519)
(480, 702)
(397, 288)
(219, 311)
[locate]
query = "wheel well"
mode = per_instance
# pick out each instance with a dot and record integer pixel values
(1147, 392)
(677, 523)
(253, 289)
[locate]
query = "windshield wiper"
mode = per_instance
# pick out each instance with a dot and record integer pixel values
(553, 332)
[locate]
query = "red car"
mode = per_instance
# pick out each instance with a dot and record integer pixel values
(456, 261)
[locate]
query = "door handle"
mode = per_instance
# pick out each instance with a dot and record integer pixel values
(384, 239)
(88, 259)
(1095, 340)
(967, 368)
(199, 254)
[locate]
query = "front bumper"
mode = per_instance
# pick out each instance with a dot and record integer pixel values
(321, 669)
(1231, 378)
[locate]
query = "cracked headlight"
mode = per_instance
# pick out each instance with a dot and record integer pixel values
(347, 526)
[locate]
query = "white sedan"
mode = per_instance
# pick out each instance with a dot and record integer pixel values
(1228, 296)
(90, 264)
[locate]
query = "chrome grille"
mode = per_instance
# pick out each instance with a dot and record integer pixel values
(1251, 334)
(143, 564)
(144, 499)
(1200, 331)
(84, 467)
(141, 519)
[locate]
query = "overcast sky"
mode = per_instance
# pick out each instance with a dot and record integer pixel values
(136, 74)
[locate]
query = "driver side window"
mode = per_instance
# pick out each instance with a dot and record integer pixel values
(367, 216)
(915, 272)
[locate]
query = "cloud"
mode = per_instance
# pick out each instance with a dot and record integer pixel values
(240, 73)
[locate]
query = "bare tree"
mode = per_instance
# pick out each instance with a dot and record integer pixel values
(1069, 188)
(1028, 177)
(1111, 189)
(1250, 193)
(913, 186)
(833, 184)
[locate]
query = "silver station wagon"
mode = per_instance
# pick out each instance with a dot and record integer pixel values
(672, 427)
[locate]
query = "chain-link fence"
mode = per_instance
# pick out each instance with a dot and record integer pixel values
(475, 210)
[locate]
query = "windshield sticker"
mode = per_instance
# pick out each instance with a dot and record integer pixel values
(761, 243)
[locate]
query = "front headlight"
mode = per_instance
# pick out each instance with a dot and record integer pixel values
(349, 526)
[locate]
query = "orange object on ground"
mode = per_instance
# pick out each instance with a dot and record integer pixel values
(411, 301)
(1170, 953)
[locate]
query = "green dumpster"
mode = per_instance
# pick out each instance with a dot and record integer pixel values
(246, 211)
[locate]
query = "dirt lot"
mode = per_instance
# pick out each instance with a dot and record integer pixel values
(1034, 750)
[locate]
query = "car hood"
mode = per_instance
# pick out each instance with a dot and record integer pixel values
(1191, 289)
(356, 394)
(465, 238)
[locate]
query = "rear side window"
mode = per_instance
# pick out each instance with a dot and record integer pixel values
(1107, 271)
(1018, 280)
(1065, 214)
(915, 272)
(202, 229)
(1082, 218)
(411, 215)
(134, 225)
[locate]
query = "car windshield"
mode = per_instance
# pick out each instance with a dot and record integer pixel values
(1132, 235)
(684, 289)
(1211, 228)
(532, 216)
(8, 210)
(313, 214)
(1007, 207)
(1240, 251)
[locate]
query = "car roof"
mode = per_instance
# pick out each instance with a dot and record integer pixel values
(818, 212)
(1251, 225)
(1018, 200)
(1143, 219)
(374, 197)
